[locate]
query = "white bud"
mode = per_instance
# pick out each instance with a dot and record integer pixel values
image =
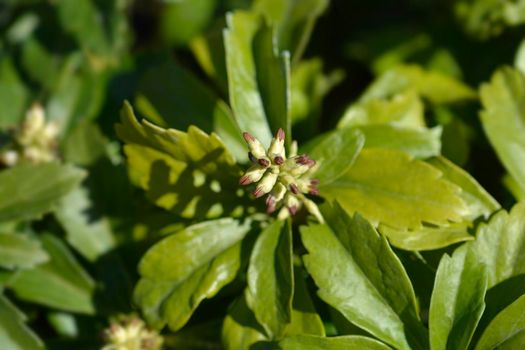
(266, 184)
(9, 158)
(313, 209)
(256, 147)
(277, 146)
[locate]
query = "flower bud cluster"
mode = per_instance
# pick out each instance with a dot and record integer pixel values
(285, 181)
(34, 141)
(131, 333)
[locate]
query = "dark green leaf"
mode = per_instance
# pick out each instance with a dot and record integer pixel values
(270, 279)
(392, 188)
(13, 94)
(20, 251)
(14, 334)
(305, 319)
(245, 98)
(86, 231)
(60, 283)
(273, 80)
(358, 274)
(185, 268)
(170, 95)
(508, 324)
(240, 329)
(294, 21)
(28, 191)
(309, 342)
(457, 300)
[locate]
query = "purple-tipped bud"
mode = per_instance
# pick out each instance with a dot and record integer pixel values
(263, 162)
(294, 188)
(252, 157)
(302, 159)
(278, 160)
(248, 137)
(292, 210)
(310, 162)
(270, 204)
(256, 148)
(258, 192)
(280, 134)
(314, 182)
(314, 191)
(245, 180)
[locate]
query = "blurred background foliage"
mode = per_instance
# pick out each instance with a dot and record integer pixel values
(79, 59)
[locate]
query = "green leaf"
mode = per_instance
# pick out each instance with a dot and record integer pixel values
(305, 319)
(403, 109)
(503, 119)
(240, 329)
(309, 342)
(14, 334)
(457, 301)
(85, 144)
(270, 278)
(427, 237)
(309, 86)
(358, 274)
(479, 202)
(508, 324)
(13, 94)
(28, 191)
(273, 80)
(207, 258)
(419, 143)
(60, 283)
(336, 152)
(20, 251)
(47, 70)
(189, 173)
(436, 87)
(246, 97)
(500, 245)
(294, 21)
(392, 188)
(86, 231)
(181, 20)
(182, 100)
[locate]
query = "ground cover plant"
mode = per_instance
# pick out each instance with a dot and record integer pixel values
(262, 175)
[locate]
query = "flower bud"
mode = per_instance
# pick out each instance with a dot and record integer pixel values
(266, 184)
(277, 146)
(313, 209)
(256, 148)
(254, 174)
(292, 203)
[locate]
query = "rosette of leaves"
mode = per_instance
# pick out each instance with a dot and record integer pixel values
(382, 183)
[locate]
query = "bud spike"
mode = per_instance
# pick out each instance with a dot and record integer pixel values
(280, 134)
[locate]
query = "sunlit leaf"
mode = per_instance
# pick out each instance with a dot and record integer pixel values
(182, 270)
(508, 325)
(270, 279)
(358, 274)
(503, 119)
(457, 300)
(392, 188)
